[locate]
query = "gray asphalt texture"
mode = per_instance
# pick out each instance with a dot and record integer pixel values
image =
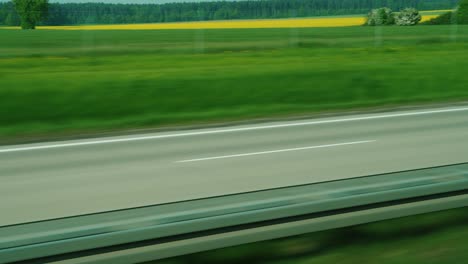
(52, 180)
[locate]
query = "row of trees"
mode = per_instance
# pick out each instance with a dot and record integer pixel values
(100, 13)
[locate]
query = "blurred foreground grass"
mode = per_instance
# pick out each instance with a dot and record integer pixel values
(432, 238)
(65, 82)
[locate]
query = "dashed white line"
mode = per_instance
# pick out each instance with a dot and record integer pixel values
(229, 130)
(276, 151)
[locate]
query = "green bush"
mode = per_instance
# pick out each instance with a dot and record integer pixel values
(31, 12)
(462, 13)
(408, 17)
(380, 17)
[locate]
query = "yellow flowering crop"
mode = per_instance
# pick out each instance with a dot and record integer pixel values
(252, 23)
(225, 24)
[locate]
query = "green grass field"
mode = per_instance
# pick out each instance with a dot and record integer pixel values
(68, 82)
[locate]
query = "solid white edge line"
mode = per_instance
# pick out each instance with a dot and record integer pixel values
(276, 151)
(218, 131)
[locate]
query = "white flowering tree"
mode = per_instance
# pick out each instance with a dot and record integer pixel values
(380, 17)
(408, 17)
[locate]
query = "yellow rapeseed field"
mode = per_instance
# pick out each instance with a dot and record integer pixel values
(435, 12)
(251, 23)
(226, 24)
(428, 17)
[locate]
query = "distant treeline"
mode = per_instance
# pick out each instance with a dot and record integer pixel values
(100, 13)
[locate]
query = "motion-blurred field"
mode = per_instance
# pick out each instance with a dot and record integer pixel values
(62, 82)
(436, 238)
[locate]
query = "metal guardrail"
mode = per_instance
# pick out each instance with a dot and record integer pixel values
(167, 230)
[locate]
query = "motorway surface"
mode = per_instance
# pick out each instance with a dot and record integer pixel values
(60, 179)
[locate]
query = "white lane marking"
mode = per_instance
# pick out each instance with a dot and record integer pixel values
(218, 131)
(276, 151)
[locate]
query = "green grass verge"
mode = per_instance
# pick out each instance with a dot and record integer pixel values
(434, 238)
(59, 82)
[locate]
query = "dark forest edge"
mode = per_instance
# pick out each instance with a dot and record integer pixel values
(457, 16)
(100, 13)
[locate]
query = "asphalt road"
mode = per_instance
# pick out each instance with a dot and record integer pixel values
(60, 179)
